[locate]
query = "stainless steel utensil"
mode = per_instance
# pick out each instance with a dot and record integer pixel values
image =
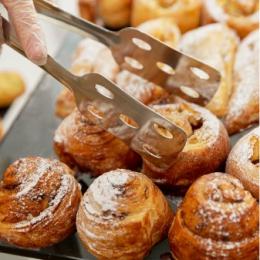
(148, 133)
(147, 57)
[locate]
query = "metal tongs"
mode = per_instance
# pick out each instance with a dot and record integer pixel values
(147, 132)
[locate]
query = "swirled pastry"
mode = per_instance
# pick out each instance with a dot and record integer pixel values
(163, 29)
(122, 215)
(115, 14)
(80, 143)
(243, 161)
(241, 15)
(39, 199)
(11, 87)
(206, 149)
(186, 13)
(243, 108)
(218, 219)
(216, 45)
(87, 9)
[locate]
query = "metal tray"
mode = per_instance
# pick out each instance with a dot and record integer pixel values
(31, 135)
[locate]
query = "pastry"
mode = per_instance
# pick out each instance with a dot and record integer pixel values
(243, 108)
(186, 13)
(243, 161)
(215, 45)
(115, 14)
(11, 87)
(122, 215)
(39, 199)
(80, 143)
(163, 29)
(1, 129)
(218, 219)
(206, 149)
(88, 57)
(241, 15)
(87, 9)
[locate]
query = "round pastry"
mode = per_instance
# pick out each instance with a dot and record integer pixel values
(163, 29)
(242, 16)
(122, 215)
(65, 103)
(243, 108)
(80, 143)
(218, 219)
(206, 149)
(215, 45)
(243, 161)
(186, 13)
(39, 199)
(115, 14)
(11, 87)
(87, 9)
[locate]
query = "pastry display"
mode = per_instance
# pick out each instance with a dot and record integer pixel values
(218, 219)
(122, 215)
(11, 87)
(243, 108)
(215, 45)
(163, 29)
(115, 14)
(186, 13)
(80, 143)
(206, 149)
(87, 9)
(39, 199)
(243, 161)
(241, 15)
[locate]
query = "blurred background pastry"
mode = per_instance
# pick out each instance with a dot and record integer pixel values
(215, 45)
(11, 87)
(206, 149)
(218, 219)
(80, 143)
(243, 108)
(186, 13)
(115, 14)
(122, 215)
(243, 161)
(39, 199)
(87, 9)
(242, 16)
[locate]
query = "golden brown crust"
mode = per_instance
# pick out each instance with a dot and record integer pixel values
(243, 161)
(79, 142)
(243, 108)
(206, 149)
(11, 87)
(87, 9)
(65, 103)
(218, 219)
(39, 199)
(115, 14)
(122, 215)
(186, 13)
(163, 29)
(242, 16)
(216, 45)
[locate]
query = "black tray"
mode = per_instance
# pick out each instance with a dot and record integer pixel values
(31, 135)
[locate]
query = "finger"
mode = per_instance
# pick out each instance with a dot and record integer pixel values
(23, 16)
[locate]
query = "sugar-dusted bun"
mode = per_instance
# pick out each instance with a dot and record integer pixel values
(206, 149)
(39, 199)
(80, 143)
(122, 215)
(216, 45)
(186, 13)
(243, 161)
(243, 107)
(218, 219)
(242, 16)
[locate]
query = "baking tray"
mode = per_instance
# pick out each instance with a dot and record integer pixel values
(32, 135)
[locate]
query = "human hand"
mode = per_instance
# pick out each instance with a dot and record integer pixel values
(23, 17)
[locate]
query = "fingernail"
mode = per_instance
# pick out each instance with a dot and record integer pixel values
(38, 55)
